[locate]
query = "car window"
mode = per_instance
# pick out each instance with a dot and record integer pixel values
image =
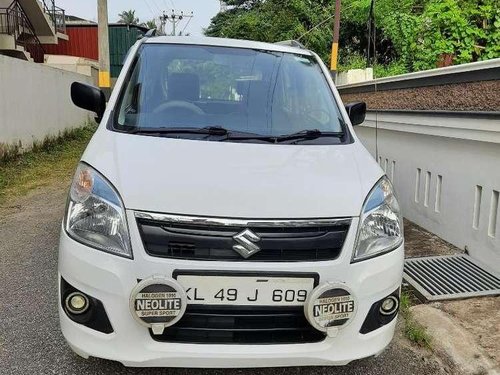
(217, 81)
(259, 92)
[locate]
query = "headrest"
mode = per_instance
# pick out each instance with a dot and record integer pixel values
(183, 86)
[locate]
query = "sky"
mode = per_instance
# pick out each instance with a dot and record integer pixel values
(146, 10)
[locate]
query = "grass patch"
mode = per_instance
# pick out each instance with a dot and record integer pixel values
(413, 331)
(50, 161)
(405, 303)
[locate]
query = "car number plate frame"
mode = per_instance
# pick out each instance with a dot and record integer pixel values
(256, 289)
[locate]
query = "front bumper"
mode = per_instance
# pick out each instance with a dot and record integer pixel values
(111, 279)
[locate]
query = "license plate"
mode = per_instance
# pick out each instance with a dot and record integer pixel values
(246, 290)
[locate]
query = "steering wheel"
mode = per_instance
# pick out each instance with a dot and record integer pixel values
(180, 105)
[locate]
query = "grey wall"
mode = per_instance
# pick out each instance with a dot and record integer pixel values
(437, 135)
(446, 170)
(35, 102)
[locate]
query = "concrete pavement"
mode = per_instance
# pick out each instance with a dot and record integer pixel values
(456, 345)
(30, 339)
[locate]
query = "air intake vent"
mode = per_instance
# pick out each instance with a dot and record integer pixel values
(450, 277)
(242, 325)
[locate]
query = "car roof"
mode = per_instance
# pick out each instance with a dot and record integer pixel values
(225, 42)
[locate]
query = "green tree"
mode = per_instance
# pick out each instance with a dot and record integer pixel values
(468, 30)
(273, 20)
(151, 24)
(396, 21)
(242, 3)
(128, 17)
(410, 34)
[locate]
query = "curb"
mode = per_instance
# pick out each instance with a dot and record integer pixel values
(455, 345)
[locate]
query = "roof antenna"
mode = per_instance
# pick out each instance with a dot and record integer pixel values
(151, 33)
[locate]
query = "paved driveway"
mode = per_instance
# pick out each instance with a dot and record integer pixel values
(30, 340)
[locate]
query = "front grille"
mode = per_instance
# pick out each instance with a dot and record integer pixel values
(196, 241)
(241, 325)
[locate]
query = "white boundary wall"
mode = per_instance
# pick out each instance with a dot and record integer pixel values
(446, 169)
(35, 102)
(354, 76)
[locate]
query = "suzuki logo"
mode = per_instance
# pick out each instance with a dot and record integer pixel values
(246, 246)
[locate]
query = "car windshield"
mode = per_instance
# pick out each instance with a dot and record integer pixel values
(242, 91)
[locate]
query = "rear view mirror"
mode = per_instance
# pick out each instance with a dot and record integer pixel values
(357, 112)
(89, 97)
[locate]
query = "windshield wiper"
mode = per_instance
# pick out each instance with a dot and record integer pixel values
(236, 136)
(208, 130)
(241, 136)
(304, 134)
(308, 134)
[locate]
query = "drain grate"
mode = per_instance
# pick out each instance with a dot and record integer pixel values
(450, 277)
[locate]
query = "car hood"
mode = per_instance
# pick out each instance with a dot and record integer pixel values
(239, 180)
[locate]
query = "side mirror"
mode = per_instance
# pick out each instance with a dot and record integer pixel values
(357, 112)
(89, 97)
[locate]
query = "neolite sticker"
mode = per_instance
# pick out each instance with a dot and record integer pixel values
(158, 301)
(333, 308)
(330, 306)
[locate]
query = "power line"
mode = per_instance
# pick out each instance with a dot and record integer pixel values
(187, 24)
(315, 27)
(321, 24)
(175, 18)
(156, 5)
(149, 6)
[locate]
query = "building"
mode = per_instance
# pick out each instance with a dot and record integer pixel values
(83, 42)
(27, 25)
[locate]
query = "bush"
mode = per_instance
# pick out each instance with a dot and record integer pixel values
(356, 61)
(352, 61)
(392, 69)
(468, 30)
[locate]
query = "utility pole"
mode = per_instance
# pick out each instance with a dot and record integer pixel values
(371, 36)
(335, 44)
(175, 18)
(103, 38)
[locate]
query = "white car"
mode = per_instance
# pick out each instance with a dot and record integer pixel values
(226, 215)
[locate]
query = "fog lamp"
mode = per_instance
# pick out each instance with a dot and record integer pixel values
(77, 303)
(389, 305)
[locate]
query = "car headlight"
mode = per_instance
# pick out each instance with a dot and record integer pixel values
(381, 224)
(95, 214)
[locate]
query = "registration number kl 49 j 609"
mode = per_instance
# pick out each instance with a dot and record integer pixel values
(246, 290)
